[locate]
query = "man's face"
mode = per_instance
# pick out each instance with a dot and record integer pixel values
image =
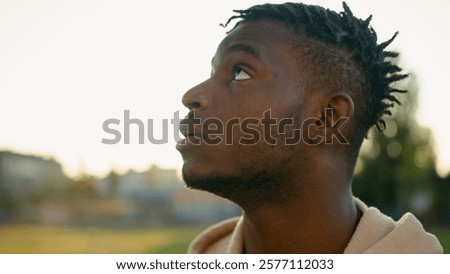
(253, 71)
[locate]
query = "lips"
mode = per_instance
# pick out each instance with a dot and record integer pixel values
(191, 131)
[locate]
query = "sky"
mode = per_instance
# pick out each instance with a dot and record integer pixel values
(67, 66)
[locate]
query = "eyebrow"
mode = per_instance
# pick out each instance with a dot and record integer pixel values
(244, 48)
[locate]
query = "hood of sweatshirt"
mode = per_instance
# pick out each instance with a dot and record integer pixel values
(376, 233)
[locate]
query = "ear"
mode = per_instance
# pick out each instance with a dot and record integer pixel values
(337, 116)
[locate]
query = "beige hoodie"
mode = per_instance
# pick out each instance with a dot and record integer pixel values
(375, 233)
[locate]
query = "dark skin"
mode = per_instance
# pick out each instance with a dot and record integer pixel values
(305, 203)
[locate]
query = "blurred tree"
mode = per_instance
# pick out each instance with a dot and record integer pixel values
(441, 205)
(83, 187)
(113, 184)
(9, 206)
(396, 167)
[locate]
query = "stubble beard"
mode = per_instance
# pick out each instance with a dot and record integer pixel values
(249, 186)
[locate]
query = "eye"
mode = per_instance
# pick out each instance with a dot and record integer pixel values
(240, 74)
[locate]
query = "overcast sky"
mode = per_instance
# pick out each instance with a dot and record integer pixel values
(66, 66)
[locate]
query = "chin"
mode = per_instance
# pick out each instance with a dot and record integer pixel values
(200, 175)
(197, 176)
(239, 187)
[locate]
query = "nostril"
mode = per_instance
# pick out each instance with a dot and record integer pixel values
(194, 105)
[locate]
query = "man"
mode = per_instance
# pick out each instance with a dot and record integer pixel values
(277, 130)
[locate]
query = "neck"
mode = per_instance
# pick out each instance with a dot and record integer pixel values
(318, 217)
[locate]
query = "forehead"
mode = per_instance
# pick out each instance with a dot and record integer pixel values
(260, 37)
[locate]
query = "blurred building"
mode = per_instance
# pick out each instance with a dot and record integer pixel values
(24, 182)
(27, 176)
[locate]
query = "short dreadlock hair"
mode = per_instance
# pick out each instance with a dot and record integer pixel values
(349, 42)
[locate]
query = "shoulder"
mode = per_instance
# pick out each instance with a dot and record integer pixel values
(215, 239)
(378, 233)
(408, 236)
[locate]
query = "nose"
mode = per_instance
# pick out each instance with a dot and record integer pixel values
(196, 98)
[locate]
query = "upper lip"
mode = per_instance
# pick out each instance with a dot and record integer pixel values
(189, 128)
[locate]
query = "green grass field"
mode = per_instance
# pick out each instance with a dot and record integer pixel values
(32, 239)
